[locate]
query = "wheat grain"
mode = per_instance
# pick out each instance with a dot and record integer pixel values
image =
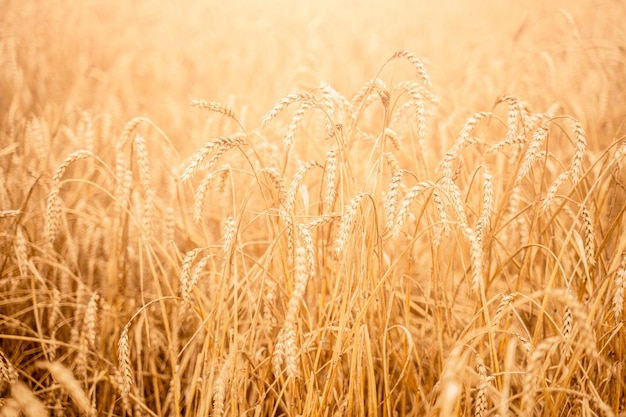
(347, 220)
(589, 233)
(8, 373)
(53, 208)
(309, 246)
(391, 198)
(126, 374)
(144, 180)
(21, 253)
(442, 228)
(580, 150)
(230, 233)
(480, 400)
(331, 178)
(566, 329)
(91, 318)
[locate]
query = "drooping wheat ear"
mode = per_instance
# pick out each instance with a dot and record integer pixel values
(302, 96)
(502, 308)
(198, 269)
(485, 215)
(589, 233)
(580, 150)
(566, 329)
(453, 194)
(367, 93)
(218, 147)
(126, 374)
(27, 401)
(347, 220)
(461, 143)
(419, 96)
(185, 273)
(296, 181)
(391, 197)
(416, 62)
(295, 122)
(53, 209)
(534, 374)
(91, 318)
(331, 178)
(66, 379)
(309, 246)
(199, 196)
(230, 234)
(269, 299)
(580, 316)
(285, 356)
(619, 288)
(406, 202)
(392, 136)
(476, 255)
(277, 181)
(551, 193)
(480, 400)
(513, 123)
(221, 384)
(334, 103)
(442, 228)
(533, 153)
(144, 179)
(21, 252)
(289, 229)
(214, 106)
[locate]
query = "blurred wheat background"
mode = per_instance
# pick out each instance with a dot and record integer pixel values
(274, 208)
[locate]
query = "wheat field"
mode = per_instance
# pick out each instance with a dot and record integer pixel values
(281, 208)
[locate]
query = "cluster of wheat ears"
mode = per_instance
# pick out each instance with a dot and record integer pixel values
(339, 259)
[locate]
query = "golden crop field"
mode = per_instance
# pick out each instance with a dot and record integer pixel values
(282, 208)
